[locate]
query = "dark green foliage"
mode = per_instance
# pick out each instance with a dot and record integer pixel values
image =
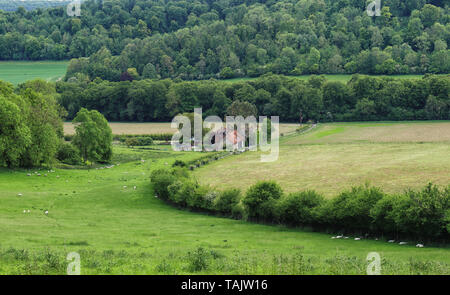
(205, 39)
(227, 200)
(93, 136)
(30, 124)
(179, 163)
(351, 209)
(260, 199)
(362, 98)
(68, 154)
(299, 208)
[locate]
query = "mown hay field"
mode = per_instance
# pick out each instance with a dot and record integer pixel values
(333, 157)
(154, 128)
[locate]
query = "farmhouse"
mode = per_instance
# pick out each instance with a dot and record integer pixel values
(229, 137)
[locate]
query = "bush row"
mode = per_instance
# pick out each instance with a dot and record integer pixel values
(159, 136)
(423, 214)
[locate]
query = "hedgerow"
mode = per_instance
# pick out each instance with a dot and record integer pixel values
(423, 214)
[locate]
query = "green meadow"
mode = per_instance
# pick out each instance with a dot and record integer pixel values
(17, 72)
(111, 217)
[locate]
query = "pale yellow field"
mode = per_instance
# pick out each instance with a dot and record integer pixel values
(130, 128)
(329, 161)
(155, 128)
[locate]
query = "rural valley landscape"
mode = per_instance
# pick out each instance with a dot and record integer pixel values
(98, 176)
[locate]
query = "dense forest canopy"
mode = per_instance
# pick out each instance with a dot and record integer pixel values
(131, 39)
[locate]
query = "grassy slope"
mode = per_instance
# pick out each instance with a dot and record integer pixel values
(122, 230)
(20, 71)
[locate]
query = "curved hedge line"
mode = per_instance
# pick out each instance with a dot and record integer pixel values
(362, 210)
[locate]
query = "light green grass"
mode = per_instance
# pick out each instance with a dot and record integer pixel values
(17, 72)
(120, 230)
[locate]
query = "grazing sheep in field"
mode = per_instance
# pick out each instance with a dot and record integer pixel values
(29, 174)
(46, 212)
(419, 246)
(339, 237)
(24, 211)
(28, 211)
(403, 243)
(124, 186)
(357, 239)
(333, 237)
(391, 241)
(134, 187)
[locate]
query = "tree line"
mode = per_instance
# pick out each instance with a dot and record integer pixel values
(362, 98)
(222, 39)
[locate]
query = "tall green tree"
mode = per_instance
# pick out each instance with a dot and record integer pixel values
(93, 136)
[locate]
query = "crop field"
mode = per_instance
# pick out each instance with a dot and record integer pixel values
(333, 157)
(119, 229)
(17, 72)
(154, 128)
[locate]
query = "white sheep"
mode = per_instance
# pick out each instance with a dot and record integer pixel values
(19, 195)
(403, 243)
(357, 239)
(46, 212)
(134, 187)
(419, 245)
(339, 237)
(391, 241)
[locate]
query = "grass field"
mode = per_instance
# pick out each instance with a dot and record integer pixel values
(333, 157)
(17, 72)
(122, 230)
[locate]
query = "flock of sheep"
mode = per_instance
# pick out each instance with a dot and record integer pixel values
(390, 241)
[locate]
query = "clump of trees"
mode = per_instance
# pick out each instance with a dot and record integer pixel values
(363, 98)
(423, 214)
(31, 129)
(30, 124)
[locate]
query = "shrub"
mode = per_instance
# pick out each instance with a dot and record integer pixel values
(299, 208)
(198, 260)
(147, 140)
(179, 163)
(351, 209)
(68, 154)
(422, 214)
(178, 191)
(260, 199)
(161, 180)
(382, 213)
(132, 141)
(227, 200)
(138, 141)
